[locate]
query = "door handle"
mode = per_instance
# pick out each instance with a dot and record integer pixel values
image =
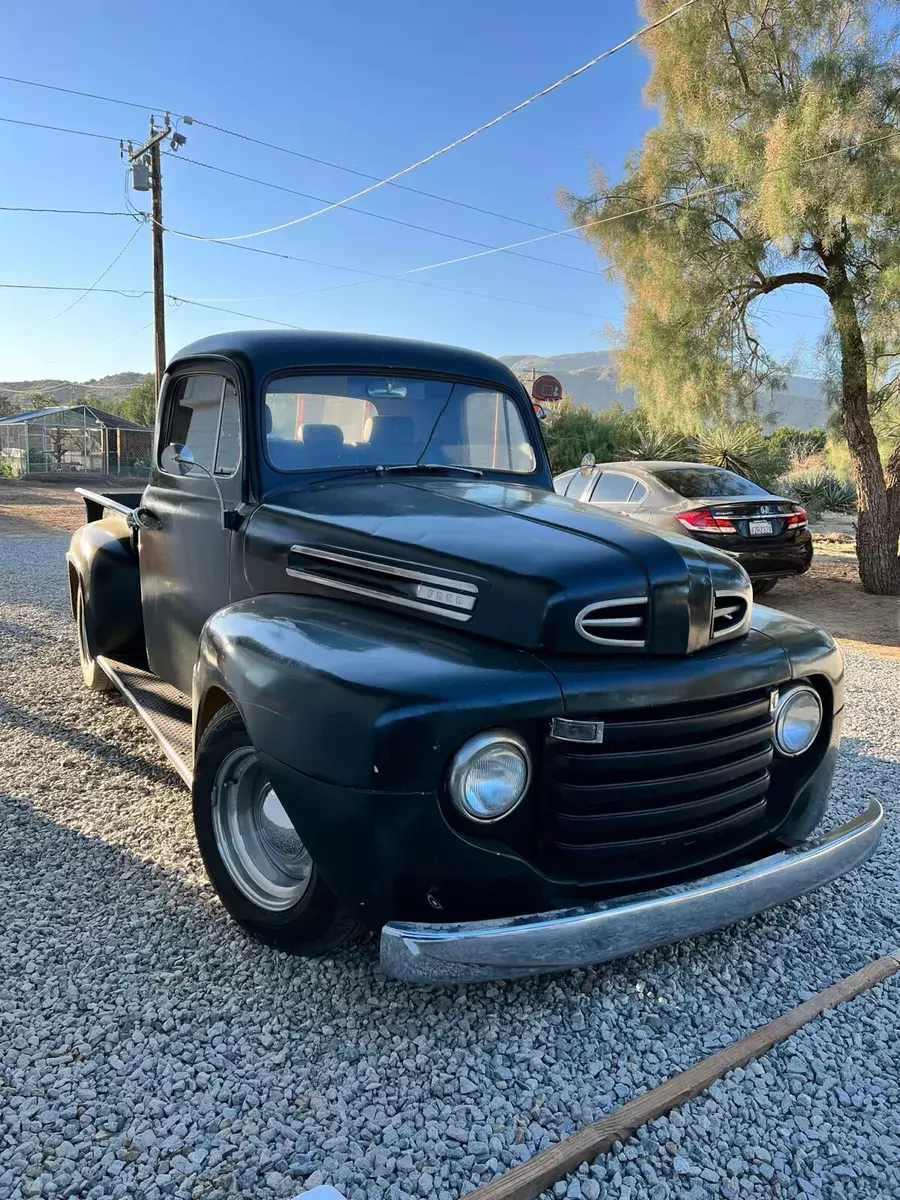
(145, 518)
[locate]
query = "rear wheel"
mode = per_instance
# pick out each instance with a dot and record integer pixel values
(91, 672)
(762, 587)
(261, 870)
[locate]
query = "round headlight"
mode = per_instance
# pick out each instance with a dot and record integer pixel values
(798, 718)
(489, 775)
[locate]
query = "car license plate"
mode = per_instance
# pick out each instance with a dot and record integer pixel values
(760, 528)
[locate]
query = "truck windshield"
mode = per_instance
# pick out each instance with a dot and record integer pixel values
(321, 421)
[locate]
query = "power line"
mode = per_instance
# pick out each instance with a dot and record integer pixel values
(103, 137)
(232, 312)
(52, 87)
(474, 133)
(139, 293)
(128, 293)
(380, 216)
(402, 187)
(79, 212)
(58, 387)
(245, 137)
(402, 277)
(695, 195)
(87, 291)
(374, 277)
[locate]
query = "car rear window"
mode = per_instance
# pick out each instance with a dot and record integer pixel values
(697, 484)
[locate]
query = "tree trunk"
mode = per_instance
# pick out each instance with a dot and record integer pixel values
(878, 517)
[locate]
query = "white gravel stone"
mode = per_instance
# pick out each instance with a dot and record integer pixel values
(148, 1049)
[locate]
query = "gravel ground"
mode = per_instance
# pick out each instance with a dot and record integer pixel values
(147, 1048)
(819, 1116)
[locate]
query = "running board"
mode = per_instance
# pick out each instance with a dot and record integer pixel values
(164, 710)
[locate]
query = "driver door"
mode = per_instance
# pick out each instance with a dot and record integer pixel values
(185, 554)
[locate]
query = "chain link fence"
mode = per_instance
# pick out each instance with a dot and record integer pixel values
(63, 444)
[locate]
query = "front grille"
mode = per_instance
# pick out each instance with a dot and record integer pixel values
(615, 622)
(668, 789)
(730, 611)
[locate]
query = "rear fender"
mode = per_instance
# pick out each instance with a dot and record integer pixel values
(102, 559)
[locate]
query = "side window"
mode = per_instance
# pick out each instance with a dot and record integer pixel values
(611, 488)
(228, 452)
(495, 437)
(639, 493)
(580, 485)
(194, 419)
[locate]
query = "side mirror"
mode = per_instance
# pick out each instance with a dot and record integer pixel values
(177, 459)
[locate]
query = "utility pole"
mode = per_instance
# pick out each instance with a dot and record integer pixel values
(156, 236)
(146, 175)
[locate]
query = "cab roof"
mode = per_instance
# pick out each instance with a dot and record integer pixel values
(277, 350)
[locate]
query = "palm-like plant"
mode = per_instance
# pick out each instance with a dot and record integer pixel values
(736, 447)
(649, 443)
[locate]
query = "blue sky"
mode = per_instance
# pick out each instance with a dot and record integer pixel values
(370, 87)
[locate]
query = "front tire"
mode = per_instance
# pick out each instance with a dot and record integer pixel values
(262, 872)
(762, 587)
(92, 673)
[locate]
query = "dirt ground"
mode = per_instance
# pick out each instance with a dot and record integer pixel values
(36, 508)
(828, 595)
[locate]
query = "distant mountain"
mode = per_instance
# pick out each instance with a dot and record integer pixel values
(109, 389)
(590, 378)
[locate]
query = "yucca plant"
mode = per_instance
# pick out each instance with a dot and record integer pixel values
(739, 448)
(649, 443)
(820, 490)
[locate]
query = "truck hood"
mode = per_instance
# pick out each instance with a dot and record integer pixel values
(510, 562)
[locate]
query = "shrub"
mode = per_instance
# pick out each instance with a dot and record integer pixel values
(5, 470)
(574, 432)
(820, 490)
(797, 444)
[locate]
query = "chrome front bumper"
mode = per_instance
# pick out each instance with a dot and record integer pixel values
(595, 933)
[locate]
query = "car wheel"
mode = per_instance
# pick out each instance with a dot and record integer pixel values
(91, 672)
(262, 872)
(761, 587)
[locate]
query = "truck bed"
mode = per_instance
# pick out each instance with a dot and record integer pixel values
(97, 503)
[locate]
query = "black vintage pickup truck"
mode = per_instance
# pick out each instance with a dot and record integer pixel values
(413, 689)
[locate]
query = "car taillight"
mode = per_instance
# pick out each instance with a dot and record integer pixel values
(705, 520)
(798, 519)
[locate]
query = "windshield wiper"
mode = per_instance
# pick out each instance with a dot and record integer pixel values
(400, 468)
(406, 469)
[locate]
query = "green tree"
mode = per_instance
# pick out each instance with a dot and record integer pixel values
(17, 403)
(774, 165)
(139, 404)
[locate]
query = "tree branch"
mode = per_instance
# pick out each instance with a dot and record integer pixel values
(720, 217)
(741, 70)
(773, 282)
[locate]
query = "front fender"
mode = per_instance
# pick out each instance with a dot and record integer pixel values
(364, 699)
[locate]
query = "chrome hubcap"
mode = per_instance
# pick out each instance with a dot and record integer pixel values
(255, 837)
